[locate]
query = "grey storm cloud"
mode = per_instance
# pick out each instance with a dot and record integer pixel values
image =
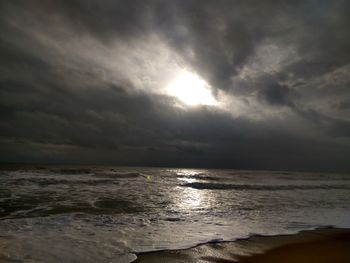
(80, 83)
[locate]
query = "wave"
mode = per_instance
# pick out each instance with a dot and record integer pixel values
(97, 173)
(71, 170)
(120, 175)
(54, 181)
(241, 187)
(201, 176)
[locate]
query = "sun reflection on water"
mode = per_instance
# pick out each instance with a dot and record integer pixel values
(189, 198)
(188, 172)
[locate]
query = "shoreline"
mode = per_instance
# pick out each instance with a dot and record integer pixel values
(324, 244)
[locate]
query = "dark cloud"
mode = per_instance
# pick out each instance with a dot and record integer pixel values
(276, 95)
(77, 83)
(340, 128)
(342, 105)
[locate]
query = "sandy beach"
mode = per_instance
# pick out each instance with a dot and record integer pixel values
(312, 246)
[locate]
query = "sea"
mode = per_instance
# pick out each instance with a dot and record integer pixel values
(110, 214)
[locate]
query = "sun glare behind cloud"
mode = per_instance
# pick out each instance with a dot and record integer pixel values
(191, 90)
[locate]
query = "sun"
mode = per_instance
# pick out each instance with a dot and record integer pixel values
(191, 89)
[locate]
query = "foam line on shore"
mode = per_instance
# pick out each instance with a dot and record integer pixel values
(254, 248)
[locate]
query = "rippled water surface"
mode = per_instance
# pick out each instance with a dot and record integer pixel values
(106, 214)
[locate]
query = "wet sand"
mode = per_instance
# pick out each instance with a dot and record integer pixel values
(314, 246)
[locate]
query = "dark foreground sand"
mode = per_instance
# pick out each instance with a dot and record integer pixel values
(329, 245)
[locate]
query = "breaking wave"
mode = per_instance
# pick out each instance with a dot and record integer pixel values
(120, 175)
(213, 186)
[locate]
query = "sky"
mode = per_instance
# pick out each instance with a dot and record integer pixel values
(182, 83)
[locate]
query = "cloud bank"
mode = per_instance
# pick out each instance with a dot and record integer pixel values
(83, 82)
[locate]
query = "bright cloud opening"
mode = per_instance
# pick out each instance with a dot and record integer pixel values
(191, 90)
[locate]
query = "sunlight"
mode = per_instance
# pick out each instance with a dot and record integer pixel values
(190, 198)
(191, 90)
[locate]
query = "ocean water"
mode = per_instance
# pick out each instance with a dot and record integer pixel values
(107, 214)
